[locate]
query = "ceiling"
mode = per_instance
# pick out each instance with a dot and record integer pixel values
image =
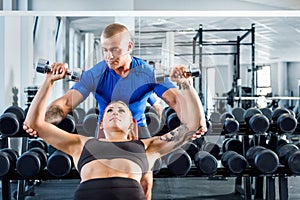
(277, 38)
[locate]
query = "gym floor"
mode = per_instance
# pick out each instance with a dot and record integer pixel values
(190, 188)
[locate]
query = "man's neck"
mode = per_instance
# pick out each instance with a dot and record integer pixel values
(124, 70)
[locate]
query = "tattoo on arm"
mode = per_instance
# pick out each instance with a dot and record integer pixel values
(178, 136)
(185, 86)
(54, 115)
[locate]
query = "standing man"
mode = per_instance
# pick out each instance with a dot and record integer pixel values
(119, 76)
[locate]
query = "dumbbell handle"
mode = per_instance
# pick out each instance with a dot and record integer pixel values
(43, 67)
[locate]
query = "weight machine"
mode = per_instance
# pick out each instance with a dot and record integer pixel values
(198, 41)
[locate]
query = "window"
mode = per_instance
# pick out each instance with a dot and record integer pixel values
(264, 80)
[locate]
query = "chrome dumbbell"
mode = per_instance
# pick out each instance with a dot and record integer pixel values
(44, 67)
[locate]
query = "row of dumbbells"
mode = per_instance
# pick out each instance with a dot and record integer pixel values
(38, 157)
(205, 156)
(254, 120)
(11, 122)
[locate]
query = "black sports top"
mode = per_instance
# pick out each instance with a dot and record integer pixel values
(132, 150)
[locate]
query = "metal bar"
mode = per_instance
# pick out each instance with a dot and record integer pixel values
(57, 28)
(259, 183)
(238, 68)
(270, 188)
(205, 54)
(245, 35)
(220, 30)
(200, 66)
(6, 193)
(253, 61)
(256, 98)
(183, 44)
(35, 27)
(283, 188)
(165, 31)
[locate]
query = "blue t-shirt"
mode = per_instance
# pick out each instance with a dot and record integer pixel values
(134, 90)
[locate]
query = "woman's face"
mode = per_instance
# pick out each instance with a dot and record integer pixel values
(117, 117)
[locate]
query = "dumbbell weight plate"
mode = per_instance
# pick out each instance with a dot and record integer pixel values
(235, 162)
(157, 166)
(59, 164)
(11, 121)
(89, 124)
(266, 161)
(179, 162)
(19, 112)
(238, 114)
(215, 117)
(68, 124)
(153, 123)
(173, 121)
(249, 113)
(224, 116)
(286, 123)
(206, 163)
(31, 162)
(8, 159)
(231, 125)
(277, 112)
(259, 123)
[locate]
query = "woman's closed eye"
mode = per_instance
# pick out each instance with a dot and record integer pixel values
(109, 110)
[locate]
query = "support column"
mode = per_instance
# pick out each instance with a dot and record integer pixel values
(282, 81)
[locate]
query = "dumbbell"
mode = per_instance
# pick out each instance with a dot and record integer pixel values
(11, 122)
(256, 120)
(232, 144)
(81, 113)
(234, 162)
(89, 124)
(166, 112)
(178, 162)
(191, 149)
(289, 155)
(215, 117)
(59, 164)
(173, 121)
(31, 162)
(225, 116)
(249, 113)
(153, 121)
(238, 114)
(8, 158)
(212, 148)
(286, 123)
(68, 124)
(267, 112)
(263, 159)
(230, 124)
(92, 110)
(37, 142)
(158, 164)
(259, 123)
(285, 120)
(44, 67)
(74, 113)
(206, 163)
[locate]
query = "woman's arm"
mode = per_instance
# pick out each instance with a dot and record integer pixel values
(35, 119)
(191, 114)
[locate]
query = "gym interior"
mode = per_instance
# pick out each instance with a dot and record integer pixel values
(244, 59)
